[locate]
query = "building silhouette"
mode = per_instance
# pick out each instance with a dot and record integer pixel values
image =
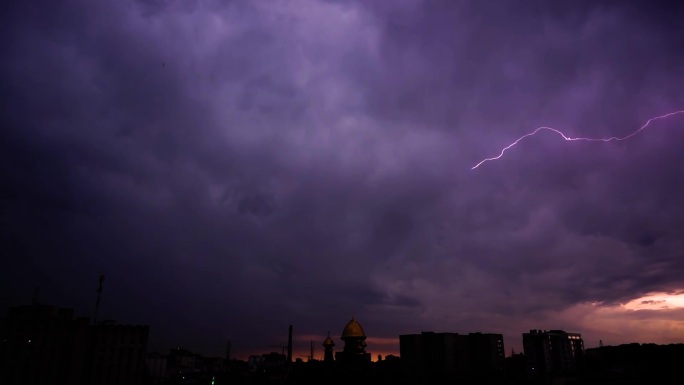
(354, 353)
(157, 368)
(44, 344)
(117, 354)
(328, 345)
(553, 352)
(441, 356)
(645, 363)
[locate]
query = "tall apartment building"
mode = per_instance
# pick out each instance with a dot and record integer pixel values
(448, 355)
(43, 344)
(118, 354)
(553, 352)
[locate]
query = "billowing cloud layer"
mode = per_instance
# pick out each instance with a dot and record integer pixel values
(235, 167)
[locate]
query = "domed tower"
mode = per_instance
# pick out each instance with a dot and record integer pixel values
(328, 344)
(354, 338)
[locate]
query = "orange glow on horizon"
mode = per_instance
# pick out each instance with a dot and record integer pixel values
(376, 345)
(301, 348)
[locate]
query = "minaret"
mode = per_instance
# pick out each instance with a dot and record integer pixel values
(328, 344)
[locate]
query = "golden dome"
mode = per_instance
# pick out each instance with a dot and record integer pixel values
(353, 329)
(328, 342)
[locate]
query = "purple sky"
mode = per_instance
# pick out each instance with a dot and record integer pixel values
(234, 167)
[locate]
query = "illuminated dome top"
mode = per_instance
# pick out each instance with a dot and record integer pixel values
(353, 329)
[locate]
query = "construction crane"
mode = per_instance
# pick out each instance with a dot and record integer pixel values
(309, 357)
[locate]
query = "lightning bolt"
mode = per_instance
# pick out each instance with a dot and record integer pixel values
(577, 139)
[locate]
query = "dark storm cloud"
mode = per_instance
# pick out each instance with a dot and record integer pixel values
(234, 167)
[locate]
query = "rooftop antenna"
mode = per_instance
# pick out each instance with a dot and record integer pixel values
(289, 345)
(282, 348)
(97, 302)
(36, 293)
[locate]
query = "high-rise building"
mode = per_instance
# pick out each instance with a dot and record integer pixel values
(431, 353)
(486, 352)
(447, 355)
(157, 364)
(553, 352)
(43, 344)
(118, 354)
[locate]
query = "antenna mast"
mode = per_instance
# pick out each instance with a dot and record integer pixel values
(289, 345)
(97, 302)
(35, 296)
